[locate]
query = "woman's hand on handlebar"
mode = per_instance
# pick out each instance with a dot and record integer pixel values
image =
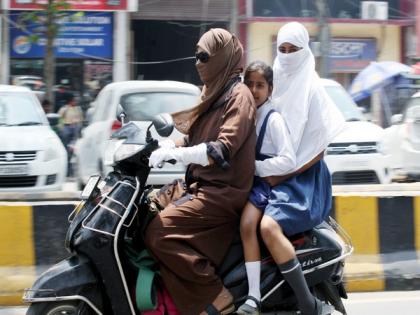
(160, 156)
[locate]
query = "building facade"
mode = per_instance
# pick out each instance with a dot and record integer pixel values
(356, 37)
(156, 39)
(164, 34)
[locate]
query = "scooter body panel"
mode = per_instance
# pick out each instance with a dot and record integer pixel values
(73, 276)
(314, 249)
(96, 241)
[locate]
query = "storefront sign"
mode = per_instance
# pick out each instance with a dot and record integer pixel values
(351, 55)
(78, 5)
(88, 36)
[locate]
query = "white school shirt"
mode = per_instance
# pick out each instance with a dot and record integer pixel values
(276, 143)
(311, 134)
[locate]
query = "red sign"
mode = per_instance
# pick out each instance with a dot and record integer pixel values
(78, 5)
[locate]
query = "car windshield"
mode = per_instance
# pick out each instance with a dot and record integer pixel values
(344, 103)
(144, 106)
(19, 109)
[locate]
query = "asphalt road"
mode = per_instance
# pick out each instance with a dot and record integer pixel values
(383, 303)
(375, 303)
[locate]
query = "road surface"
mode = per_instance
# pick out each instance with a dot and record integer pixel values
(375, 303)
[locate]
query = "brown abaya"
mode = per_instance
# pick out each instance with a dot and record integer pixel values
(190, 237)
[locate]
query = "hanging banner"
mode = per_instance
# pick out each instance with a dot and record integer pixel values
(77, 5)
(88, 36)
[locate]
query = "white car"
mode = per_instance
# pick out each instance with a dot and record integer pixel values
(32, 157)
(141, 100)
(32, 82)
(402, 140)
(356, 155)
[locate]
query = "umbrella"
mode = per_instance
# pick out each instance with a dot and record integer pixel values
(375, 76)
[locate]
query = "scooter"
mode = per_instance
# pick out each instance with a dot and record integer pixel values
(98, 277)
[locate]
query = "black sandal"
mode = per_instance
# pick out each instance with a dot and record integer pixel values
(322, 308)
(246, 309)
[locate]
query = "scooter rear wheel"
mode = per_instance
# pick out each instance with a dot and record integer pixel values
(59, 308)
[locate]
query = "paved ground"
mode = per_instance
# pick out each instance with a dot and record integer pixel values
(373, 303)
(383, 303)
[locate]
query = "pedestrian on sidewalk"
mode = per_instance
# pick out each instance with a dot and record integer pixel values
(71, 116)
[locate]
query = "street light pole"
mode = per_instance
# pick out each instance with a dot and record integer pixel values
(323, 37)
(234, 18)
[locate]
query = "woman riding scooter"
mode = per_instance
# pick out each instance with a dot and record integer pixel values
(192, 235)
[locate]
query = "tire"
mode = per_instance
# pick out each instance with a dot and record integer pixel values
(60, 308)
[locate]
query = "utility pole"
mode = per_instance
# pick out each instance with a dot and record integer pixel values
(234, 18)
(323, 37)
(121, 47)
(4, 45)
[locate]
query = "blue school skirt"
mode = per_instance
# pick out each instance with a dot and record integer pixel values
(298, 204)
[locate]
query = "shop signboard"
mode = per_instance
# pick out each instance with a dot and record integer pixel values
(87, 36)
(78, 5)
(347, 55)
(351, 55)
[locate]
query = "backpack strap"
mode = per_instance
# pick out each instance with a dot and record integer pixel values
(146, 295)
(261, 136)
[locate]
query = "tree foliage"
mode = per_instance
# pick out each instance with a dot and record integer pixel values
(48, 17)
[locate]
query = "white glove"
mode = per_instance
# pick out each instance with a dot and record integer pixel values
(167, 144)
(196, 154)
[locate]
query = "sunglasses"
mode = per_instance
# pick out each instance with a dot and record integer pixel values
(202, 56)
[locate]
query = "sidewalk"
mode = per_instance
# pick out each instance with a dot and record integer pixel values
(365, 273)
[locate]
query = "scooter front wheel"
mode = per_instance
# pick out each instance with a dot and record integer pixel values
(59, 308)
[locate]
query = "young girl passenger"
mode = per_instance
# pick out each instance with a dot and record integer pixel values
(292, 186)
(274, 156)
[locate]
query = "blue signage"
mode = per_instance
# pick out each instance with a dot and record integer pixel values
(86, 36)
(351, 55)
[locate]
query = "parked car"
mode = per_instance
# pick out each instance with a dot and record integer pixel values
(32, 157)
(402, 140)
(141, 100)
(33, 82)
(355, 156)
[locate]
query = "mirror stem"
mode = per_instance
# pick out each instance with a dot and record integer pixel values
(149, 134)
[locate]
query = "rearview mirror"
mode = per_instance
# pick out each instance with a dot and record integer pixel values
(121, 114)
(164, 124)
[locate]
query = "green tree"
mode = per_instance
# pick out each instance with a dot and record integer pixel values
(48, 17)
